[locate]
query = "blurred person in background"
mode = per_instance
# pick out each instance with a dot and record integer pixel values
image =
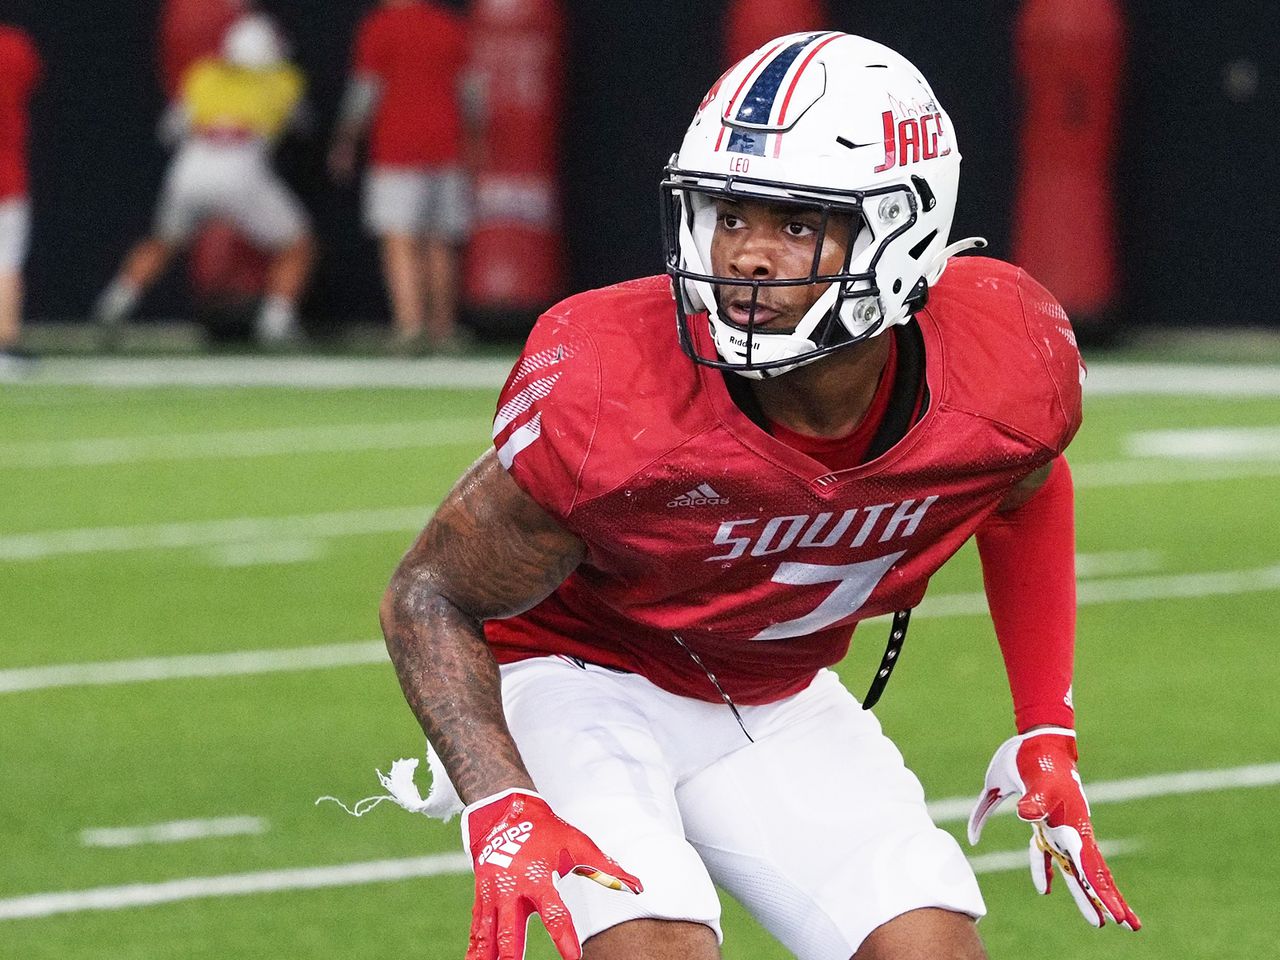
(20, 70)
(409, 92)
(230, 113)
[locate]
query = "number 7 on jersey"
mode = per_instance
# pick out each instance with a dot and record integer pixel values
(854, 584)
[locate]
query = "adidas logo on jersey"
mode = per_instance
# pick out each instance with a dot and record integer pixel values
(699, 496)
(501, 848)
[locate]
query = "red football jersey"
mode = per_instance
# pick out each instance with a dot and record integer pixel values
(704, 532)
(417, 53)
(19, 74)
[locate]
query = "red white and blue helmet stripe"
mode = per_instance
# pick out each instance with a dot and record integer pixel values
(761, 105)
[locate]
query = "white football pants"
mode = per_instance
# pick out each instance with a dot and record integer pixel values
(817, 828)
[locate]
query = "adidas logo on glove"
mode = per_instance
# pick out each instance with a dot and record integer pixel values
(505, 844)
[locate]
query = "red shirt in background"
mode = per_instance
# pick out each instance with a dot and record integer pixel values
(19, 74)
(416, 52)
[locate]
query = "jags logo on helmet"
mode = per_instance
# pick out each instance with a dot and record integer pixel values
(804, 109)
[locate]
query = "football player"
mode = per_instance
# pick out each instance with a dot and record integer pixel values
(20, 70)
(231, 112)
(618, 628)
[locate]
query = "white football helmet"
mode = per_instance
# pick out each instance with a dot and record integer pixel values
(253, 42)
(831, 122)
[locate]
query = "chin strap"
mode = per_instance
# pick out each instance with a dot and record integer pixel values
(897, 637)
(934, 273)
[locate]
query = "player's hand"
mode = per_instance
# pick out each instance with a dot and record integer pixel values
(518, 846)
(1039, 768)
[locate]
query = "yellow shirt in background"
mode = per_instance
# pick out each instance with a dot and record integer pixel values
(222, 98)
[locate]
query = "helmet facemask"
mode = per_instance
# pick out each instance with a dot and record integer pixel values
(848, 311)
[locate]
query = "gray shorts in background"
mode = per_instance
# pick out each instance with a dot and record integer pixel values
(234, 183)
(418, 202)
(15, 232)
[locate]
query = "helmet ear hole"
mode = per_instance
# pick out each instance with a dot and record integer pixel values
(918, 250)
(927, 200)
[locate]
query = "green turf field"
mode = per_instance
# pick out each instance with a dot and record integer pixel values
(148, 535)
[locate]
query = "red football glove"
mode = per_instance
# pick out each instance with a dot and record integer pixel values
(1040, 769)
(518, 847)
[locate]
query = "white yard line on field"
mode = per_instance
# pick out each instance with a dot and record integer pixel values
(231, 885)
(1105, 378)
(956, 809)
(235, 444)
(1003, 860)
(1172, 586)
(263, 553)
(337, 373)
(952, 809)
(237, 664)
(58, 398)
(1207, 443)
(1222, 459)
(241, 663)
(1149, 473)
(344, 875)
(1180, 586)
(1183, 380)
(1108, 563)
(174, 831)
(37, 545)
(201, 533)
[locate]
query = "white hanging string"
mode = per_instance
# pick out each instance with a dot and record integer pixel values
(402, 791)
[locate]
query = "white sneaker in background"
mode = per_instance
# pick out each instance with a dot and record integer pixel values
(277, 324)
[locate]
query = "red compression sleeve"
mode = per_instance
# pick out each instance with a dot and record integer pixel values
(1028, 569)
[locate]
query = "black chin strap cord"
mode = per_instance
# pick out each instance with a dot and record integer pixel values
(897, 637)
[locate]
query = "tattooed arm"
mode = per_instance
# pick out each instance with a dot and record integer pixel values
(490, 551)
